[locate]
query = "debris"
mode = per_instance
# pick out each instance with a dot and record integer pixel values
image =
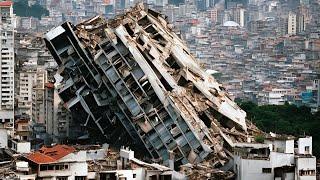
(134, 73)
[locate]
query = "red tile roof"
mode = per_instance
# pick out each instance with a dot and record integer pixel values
(50, 155)
(5, 3)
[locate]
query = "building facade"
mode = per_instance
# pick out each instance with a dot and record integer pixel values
(292, 23)
(277, 158)
(7, 63)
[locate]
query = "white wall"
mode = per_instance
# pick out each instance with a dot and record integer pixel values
(305, 163)
(289, 146)
(27, 177)
(252, 169)
(79, 156)
(128, 174)
(284, 146)
(98, 154)
(79, 169)
(302, 143)
(127, 154)
(281, 159)
(77, 166)
(23, 147)
(92, 175)
(51, 174)
(248, 169)
(3, 138)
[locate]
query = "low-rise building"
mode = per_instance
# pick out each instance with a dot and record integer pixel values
(58, 162)
(89, 162)
(22, 129)
(19, 146)
(279, 158)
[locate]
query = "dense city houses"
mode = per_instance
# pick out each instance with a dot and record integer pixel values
(270, 49)
(267, 52)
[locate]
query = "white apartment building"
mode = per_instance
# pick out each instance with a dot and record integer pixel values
(26, 82)
(273, 96)
(278, 158)
(7, 27)
(31, 80)
(292, 23)
(238, 16)
(58, 162)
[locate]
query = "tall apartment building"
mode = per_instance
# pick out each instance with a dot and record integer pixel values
(62, 121)
(27, 78)
(238, 15)
(303, 18)
(216, 15)
(292, 23)
(7, 27)
(38, 94)
(48, 107)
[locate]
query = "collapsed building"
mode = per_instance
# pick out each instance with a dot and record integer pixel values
(132, 80)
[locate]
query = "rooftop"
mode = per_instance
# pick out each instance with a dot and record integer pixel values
(6, 3)
(231, 24)
(50, 154)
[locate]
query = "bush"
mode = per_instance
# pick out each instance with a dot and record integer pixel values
(259, 138)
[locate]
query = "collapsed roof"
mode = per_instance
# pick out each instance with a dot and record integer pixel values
(134, 73)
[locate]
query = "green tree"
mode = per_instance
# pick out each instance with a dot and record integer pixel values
(21, 8)
(285, 119)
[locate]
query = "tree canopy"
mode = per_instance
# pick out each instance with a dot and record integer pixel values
(21, 8)
(285, 119)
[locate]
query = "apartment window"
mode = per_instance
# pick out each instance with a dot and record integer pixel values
(61, 167)
(266, 170)
(62, 178)
(50, 167)
(307, 149)
(43, 167)
(80, 178)
(134, 175)
(46, 167)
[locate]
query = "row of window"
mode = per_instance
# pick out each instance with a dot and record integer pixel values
(5, 53)
(51, 167)
(8, 33)
(301, 172)
(76, 178)
(307, 172)
(266, 170)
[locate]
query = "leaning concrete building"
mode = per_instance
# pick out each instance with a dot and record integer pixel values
(133, 80)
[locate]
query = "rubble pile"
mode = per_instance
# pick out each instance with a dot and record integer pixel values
(109, 163)
(6, 170)
(132, 76)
